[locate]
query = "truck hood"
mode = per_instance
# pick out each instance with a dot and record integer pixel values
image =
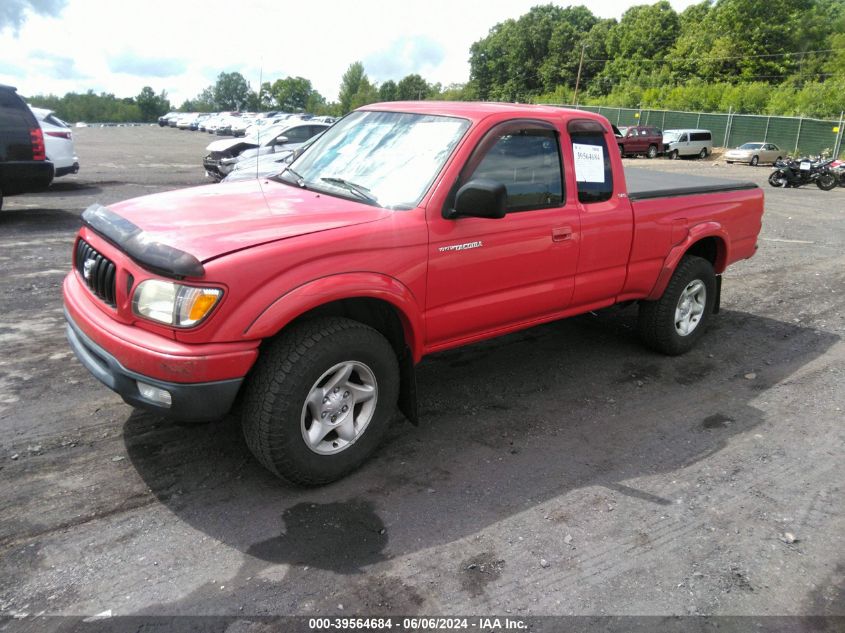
(213, 220)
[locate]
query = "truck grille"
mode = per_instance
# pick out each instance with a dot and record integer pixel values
(97, 271)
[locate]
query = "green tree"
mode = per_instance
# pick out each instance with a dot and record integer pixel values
(354, 83)
(532, 54)
(232, 91)
(387, 91)
(640, 42)
(152, 105)
(412, 88)
(294, 94)
(203, 102)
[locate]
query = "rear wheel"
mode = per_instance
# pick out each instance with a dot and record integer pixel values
(652, 151)
(703, 153)
(674, 323)
(320, 399)
(826, 181)
(621, 151)
(754, 161)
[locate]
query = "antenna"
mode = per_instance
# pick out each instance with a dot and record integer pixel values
(258, 136)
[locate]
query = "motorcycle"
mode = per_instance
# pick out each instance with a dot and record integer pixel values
(803, 171)
(837, 167)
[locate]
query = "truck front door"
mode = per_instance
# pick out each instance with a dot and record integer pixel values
(487, 274)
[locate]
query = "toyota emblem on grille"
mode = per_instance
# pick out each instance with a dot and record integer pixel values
(88, 268)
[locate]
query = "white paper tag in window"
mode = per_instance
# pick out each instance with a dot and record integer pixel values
(589, 162)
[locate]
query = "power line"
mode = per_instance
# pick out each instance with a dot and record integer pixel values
(672, 60)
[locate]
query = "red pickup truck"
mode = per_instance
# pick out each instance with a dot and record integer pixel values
(641, 140)
(407, 228)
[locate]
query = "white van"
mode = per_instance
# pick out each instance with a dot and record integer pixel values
(688, 143)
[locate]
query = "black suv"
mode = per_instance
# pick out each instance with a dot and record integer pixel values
(23, 162)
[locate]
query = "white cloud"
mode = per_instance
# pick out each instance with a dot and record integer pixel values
(181, 46)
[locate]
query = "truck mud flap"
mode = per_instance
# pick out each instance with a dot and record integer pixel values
(408, 388)
(717, 303)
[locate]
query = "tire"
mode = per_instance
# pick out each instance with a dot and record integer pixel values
(652, 151)
(703, 153)
(277, 417)
(777, 179)
(621, 152)
(754, 161)
(687, 303)
(729, 162)
(826, 181)
(673, 155)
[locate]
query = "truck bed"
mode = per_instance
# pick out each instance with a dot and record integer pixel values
(645, 184)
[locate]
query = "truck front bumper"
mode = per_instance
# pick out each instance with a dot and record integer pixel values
(194, 402)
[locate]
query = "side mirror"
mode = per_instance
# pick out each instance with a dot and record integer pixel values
(479, 198)
(280, 140)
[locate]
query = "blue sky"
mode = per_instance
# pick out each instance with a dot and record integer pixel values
(59, 46)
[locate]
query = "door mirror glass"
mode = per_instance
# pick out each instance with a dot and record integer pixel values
(480, 198)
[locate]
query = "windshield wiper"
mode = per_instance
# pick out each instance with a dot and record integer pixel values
(360, 190)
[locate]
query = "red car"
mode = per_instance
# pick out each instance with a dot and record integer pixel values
(641, 140)
(406, 229)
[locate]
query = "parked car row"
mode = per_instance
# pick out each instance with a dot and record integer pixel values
(278, 140)
(232, 123)
(643, 140)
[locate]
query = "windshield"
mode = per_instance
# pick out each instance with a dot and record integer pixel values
(384, 158)
(670, 136)
(751, 146)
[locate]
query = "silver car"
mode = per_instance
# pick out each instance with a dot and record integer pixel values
(754, 153)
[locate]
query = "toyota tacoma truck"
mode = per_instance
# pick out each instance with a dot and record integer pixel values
(305, 300)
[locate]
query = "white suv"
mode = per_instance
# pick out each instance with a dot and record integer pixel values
(58, 141)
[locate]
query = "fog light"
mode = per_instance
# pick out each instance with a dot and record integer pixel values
(154, 394)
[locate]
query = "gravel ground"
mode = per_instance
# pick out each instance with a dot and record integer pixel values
(561, 470)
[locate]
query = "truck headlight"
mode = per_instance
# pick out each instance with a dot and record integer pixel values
(174, 304)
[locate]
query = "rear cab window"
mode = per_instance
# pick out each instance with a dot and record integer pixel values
(593, 173)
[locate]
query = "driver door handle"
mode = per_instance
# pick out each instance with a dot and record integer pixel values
(561, 233)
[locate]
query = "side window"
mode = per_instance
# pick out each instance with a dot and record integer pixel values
(683, 138)
(297, 134)
(527, 161)
(592, 161)
(12, 110)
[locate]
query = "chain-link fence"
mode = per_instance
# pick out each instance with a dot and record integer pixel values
(795, 135)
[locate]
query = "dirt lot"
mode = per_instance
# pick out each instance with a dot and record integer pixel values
(562, 470)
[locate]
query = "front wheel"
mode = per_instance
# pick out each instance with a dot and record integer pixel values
(777, 179)
(652, 151)
(674, 323)
(673, 155)
(826, 181)
(320, 399)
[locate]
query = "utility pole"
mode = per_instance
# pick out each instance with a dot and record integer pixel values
(578, 78)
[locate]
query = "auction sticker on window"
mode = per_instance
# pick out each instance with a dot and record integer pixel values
(589, 162)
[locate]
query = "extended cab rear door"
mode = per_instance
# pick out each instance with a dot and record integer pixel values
(487, 274)
(605, 214)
